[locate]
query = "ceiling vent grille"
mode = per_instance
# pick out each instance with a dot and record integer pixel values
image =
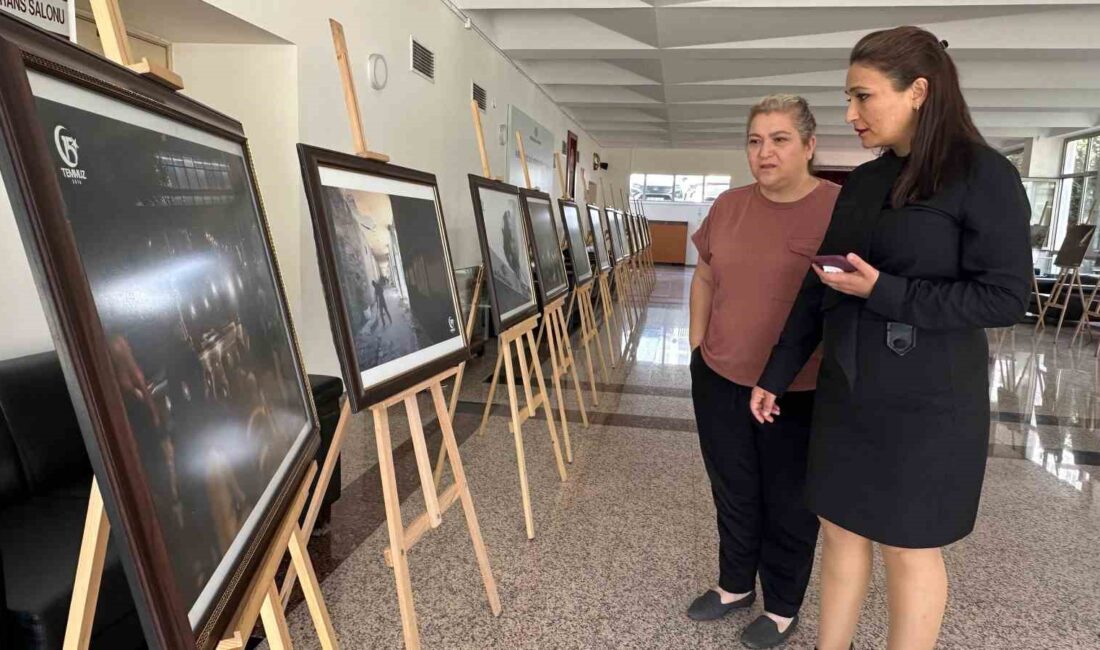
(481, 97)
(423, 60)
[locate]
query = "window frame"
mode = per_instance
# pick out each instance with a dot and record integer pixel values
(675, 183)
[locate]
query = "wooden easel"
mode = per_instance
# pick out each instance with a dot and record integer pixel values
(461, 369)
(609, 317)
(261, 598)
(519, 336)
(556, 325)
(116, 45)
(1069, 278)
(582, 296)
(402, 539)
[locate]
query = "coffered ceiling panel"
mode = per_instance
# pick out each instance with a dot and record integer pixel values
(683, 73)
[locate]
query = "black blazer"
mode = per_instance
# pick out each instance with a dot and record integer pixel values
(949, 266)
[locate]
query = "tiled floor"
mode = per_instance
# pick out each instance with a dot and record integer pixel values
(628, 540)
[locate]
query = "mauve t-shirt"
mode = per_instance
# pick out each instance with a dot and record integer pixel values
(759, 252)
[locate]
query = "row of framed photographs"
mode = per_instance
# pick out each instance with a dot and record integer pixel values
(139, 212)
(512, 221)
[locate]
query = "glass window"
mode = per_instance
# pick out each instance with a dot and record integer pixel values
(1094, 154)
(715, 185)
(689, 188)
(658, 187)
(1076, 151)
(1017, 159)
(637, 185)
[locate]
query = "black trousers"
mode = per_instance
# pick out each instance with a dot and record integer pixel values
(758, 476)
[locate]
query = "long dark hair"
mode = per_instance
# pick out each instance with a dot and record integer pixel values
(943, 143)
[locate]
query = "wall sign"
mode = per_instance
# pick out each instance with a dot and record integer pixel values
(55, 16)
(538, 143)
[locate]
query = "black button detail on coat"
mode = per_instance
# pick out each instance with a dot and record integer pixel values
(900, 338)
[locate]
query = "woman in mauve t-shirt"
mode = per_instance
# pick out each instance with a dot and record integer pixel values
(755, 248)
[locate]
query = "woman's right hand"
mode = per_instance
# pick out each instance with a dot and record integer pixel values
(762, 405)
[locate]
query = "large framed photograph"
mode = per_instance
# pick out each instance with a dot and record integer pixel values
(615, 230)
(543, 229)
(574, 233)
(504, 251)
(386, 271)
(597, 229)
(142, 222)
(645, 231)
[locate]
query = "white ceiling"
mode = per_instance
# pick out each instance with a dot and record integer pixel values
(682, 73)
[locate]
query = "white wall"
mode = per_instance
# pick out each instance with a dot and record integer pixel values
(23, 328)
(1046, 157)
(257, 85)
(292, 93)
(418, 123)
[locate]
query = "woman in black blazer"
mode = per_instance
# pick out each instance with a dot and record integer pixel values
(936, 229)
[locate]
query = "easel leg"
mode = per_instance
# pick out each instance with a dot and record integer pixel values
(438, 474)
(423, 465)
(594, 335)
(492, 388)
(467, 501)
(556, 370)
(299, 557)
(521, 461)
(566, 349)
(395, 528)
(89, 573)
(318, 497)
(586, 338)
(271, 613)
(1065, 306)
(608, 319)
(549, 414)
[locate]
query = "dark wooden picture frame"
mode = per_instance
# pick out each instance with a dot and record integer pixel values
(596, 229)
(529, 308)
(619, 249)
(578, 252)
(544, 252)
(31, 176)
(631, 233)
(334, 279)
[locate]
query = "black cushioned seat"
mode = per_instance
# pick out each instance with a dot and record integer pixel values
(45, 480)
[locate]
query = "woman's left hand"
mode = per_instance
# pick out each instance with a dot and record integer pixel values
(857, 283)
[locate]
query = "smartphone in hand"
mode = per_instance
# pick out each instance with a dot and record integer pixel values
(834, 263)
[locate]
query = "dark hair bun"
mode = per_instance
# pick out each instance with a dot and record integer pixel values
(944, 44)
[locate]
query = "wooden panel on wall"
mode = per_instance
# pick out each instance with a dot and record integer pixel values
(669, 241)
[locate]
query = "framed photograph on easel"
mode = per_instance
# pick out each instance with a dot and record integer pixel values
(140, 215)
(504, 251)
(386, 265)
(574, 233)
(618, 242)
(549, 265)
(597, 227)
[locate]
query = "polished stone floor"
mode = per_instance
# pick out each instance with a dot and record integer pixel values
(628, 540)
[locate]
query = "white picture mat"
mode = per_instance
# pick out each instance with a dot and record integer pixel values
(361, 181)
(572, 214)
(491, 207)
(561, 261)
(76, 97)
(603, 256)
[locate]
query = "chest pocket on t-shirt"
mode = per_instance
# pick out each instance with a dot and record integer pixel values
(796, 262)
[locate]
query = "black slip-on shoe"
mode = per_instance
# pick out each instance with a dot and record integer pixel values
(764, 633)
(709, 606)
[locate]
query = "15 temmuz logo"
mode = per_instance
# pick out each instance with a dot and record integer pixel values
(69, 151)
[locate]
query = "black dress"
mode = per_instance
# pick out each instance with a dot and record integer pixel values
(901, 421)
